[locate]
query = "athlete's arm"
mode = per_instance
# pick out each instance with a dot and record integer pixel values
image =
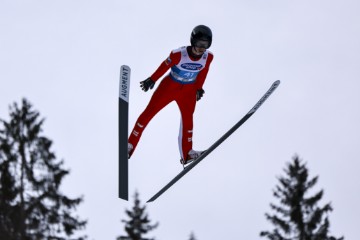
(173, 59)
(200, 79)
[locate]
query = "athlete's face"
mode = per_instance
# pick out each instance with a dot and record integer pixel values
(198, 50)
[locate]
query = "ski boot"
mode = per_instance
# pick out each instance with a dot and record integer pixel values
(130, 150)
(192, 156)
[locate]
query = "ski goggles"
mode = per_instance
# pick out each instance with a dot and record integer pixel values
(202, 44)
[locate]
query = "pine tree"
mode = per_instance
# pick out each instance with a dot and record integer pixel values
(138, 223)
(298, 217)
(192, 236)
(31, 205)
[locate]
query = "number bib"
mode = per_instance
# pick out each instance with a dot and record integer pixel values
(187, 70)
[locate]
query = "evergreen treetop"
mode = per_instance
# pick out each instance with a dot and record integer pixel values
(138, 223)
(298, 215)
(31, 204)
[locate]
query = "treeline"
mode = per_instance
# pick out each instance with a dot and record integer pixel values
(33, 208)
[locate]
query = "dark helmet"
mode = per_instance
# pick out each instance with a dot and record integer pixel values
(201, 34)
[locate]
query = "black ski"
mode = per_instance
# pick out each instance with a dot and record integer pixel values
(124, 88)
(219, 141)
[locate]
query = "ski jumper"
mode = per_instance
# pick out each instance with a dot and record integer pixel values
(187, 75)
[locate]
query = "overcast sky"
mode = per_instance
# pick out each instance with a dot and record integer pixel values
(65, 57)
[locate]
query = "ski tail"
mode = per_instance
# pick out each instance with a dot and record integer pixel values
(123, 122)
(219, 141)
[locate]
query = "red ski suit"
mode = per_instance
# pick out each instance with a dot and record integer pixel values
(187, 75)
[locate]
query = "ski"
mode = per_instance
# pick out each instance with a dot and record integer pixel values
(124, 89)
(218, 142)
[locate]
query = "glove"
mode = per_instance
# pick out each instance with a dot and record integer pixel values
(146, 84)
(199, 94)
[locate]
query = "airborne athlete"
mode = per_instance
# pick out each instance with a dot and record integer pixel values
(184, 85)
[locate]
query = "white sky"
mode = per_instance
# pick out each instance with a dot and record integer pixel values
(64, 57)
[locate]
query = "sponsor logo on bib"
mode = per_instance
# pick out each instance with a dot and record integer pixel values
(191, 66)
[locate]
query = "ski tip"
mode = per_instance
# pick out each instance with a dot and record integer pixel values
(275, 84)
(124, 83)
(125, 67)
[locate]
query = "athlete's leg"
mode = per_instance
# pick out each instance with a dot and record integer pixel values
(161, 97)
(187, 106)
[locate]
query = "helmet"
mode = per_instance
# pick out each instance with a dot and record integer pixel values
(201, 36)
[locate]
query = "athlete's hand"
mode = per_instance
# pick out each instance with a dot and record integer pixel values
(146, 84)
(199, 94)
